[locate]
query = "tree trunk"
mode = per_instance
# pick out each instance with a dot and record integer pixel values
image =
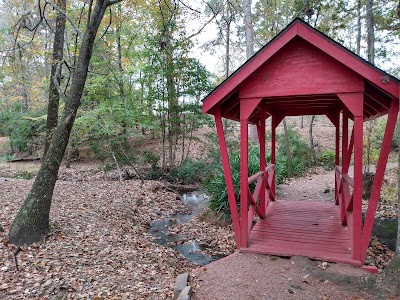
(359, 4)
(288, 154)
(54, 96)
(311, 138)
(32, 221)
(370, 31)
(227, 54)
(302, 122)
(248, 28)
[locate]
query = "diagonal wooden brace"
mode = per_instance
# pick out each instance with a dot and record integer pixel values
(379, 174)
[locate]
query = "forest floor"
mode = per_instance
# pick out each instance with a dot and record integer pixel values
(99, 246)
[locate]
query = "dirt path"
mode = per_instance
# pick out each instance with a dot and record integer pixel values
(316, 186)
(262, 277)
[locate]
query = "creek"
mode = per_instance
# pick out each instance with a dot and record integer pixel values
(191, 249)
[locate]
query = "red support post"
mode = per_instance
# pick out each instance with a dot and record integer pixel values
(357, 190)
(337, 154)
(263, 163)
(228, 177)
(345, 139)
(379, 174)
(273, 150)
(247, 106)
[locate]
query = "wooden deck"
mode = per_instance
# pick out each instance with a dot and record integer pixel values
(305, 228)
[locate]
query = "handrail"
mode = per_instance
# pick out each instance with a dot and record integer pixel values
(260, 173)
(346, 177)
(255, 176)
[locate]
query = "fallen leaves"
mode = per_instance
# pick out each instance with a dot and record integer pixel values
(98, 244)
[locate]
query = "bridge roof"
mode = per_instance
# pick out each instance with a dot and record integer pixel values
(303, 72)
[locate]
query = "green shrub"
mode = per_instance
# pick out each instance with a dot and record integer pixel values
(24, 175)
(215, 185)
(300, 154)
(190, 171)
(151, 158)
(25, 129)
(7, 157)
(327, 159)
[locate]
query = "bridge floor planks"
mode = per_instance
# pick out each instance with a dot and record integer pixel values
(305, 228)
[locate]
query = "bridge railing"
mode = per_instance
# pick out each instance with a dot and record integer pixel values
(262, 194)
(344, 198)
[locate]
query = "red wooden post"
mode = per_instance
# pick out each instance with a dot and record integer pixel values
(337, 158)
(345, 139)
(263, 164)
(247, 106)
(228, 176)
(379, 174)
(244, 154)
(273, 150)
(357, 191)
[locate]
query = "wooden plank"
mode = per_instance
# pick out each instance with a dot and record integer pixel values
(302, 235)
(314, 254)
(311, 246)
(288, 230)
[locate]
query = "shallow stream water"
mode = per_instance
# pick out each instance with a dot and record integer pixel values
(196, 202)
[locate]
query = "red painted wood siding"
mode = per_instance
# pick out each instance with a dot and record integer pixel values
(300, 69)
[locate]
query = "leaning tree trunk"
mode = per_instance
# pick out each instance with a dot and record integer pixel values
(55, 75)
(32, 221)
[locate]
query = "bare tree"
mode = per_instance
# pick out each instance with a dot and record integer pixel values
(32, 221)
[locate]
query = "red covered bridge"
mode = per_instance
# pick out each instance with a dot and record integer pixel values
(304, 72)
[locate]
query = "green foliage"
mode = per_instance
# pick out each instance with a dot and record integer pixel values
(7, 157)
(25, 129)
(215, 185)
(151, 158)
(190, 171)
(300, 152)
(24, 175)
(327, 159)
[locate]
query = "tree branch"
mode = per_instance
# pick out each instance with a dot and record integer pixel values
(112, 2)
(66, 16)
